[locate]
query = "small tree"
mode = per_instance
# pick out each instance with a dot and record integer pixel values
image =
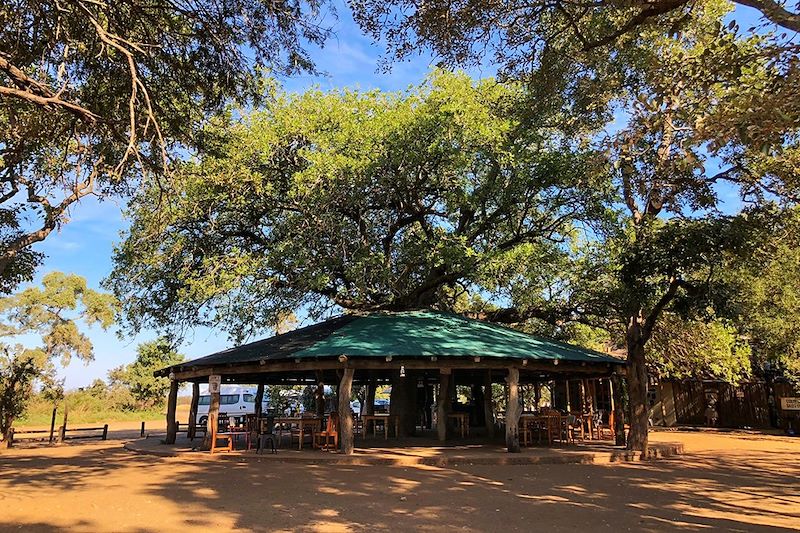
(147, 390)
(53, 313)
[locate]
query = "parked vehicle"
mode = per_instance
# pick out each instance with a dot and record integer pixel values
(232, 401)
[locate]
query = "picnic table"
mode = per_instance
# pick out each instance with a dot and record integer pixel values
(306, 425)
(463, 422)
(386, 419)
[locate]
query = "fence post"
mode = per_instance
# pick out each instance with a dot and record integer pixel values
(52, 424)
(62, 430)
(142, 433)
(105, 432)
(10, 437)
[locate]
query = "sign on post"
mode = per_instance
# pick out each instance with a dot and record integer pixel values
(790, 404)
(214, 382)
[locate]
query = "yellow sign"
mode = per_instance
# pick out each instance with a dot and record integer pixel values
(790, 404)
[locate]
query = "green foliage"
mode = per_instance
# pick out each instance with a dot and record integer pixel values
(361, 200)
(51, 313)
(698, 349)
(96, 95)
(146, 390)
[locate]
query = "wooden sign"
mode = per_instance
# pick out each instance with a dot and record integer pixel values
(214, 382)
(790, 404)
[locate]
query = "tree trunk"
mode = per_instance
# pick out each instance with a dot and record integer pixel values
(213, 420)
(345, 413)
(193, 410)
(172, 401)
(488, 408)
(619, 409)
(443, 404)
(637, 387)
(512, 411)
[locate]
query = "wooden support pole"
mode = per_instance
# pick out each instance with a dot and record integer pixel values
(191, 432)
(488, 404)
(537, 396)
(319, 394)
(566, 389)
(512, 411)
(582, 394)
(105, 432)
(52, 424)
(62, 431)
(443, 404)
(369, 408)
(213, 420)
(345, 413)
(172, 402)
(259, 406)
(141, 433)
(619, 409)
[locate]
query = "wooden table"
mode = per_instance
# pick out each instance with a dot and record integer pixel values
(386, 419)
(463, 421)
(312, 423)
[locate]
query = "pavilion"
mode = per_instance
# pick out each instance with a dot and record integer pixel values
(423, 354)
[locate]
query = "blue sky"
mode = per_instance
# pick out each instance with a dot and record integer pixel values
(84, 245)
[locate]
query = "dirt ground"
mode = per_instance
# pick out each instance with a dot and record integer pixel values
(734, 482)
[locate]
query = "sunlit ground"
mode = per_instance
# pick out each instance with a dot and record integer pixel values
(724, 481)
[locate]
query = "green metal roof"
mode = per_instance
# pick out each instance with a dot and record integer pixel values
(404, 334)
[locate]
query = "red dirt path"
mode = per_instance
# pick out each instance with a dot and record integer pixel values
(735, 482)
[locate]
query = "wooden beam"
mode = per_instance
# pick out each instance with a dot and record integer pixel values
(488, 404)
(345, 414)
(512, 411)
(443, 405)
(172, 401)
(187, 372)
(191, 433)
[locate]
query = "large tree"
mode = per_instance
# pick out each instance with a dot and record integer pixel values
(357, 200)
(52, 313)
(145, 388)
(690, 105)
(95, 94)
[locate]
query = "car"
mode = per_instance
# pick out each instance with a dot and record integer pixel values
(233, 401)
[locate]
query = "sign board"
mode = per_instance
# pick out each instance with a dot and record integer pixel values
(790, 404)
(214, 382)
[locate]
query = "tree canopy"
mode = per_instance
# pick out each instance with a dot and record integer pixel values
(365, 200)
(52, 313)
(94, 94)
(146, 389)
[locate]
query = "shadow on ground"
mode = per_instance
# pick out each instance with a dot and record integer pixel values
(739, 490)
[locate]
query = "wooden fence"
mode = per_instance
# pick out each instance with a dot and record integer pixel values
(738, 406)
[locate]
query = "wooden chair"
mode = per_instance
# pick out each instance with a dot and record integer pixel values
(216, 436)
(322, 438)
(525, 433)
(266, 433)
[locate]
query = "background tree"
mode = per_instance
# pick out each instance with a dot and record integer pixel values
(690, 95)
(147, 390)
(94, 94)
(357, 200)
(52, 313)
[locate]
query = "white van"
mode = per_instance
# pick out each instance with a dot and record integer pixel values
(233, 401)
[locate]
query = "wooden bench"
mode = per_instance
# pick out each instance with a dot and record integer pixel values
(62, 434)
